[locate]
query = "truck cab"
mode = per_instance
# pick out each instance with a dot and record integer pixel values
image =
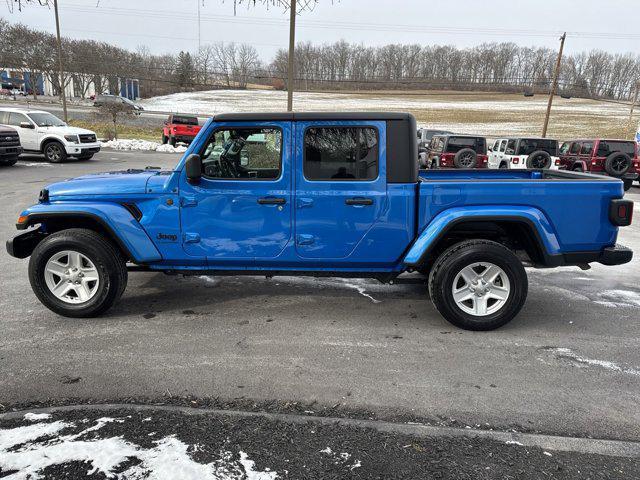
(320, 194)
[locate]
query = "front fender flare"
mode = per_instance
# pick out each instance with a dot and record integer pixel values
(446, 220)
(114, 218)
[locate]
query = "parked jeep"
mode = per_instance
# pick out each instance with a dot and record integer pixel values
(10, 146)
(616, 158)
(457, 151)
(320, 194)
(42, 132)
(180, 128)
(426, 134)
(531, 153)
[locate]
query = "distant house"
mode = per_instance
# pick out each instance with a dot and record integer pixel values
(80, 85)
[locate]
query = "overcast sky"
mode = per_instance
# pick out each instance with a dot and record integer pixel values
(172, 25)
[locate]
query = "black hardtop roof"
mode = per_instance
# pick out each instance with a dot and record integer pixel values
(309, 116)
(448, 135)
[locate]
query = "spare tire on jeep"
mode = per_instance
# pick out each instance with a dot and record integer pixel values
(617, 164)
(466, 158)
(539, 160)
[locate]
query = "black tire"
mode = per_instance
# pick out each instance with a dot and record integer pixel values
(172, 141)
(164, 139)
(503, 166)
(577, 168)
(9, 162)
(54, 152)
(617, 164)
(109, 263)
(453, 260)
(466, 158)
(539, 160)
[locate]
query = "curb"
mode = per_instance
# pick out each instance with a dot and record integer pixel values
(615, 448)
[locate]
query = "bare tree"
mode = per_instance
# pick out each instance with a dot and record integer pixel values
(113, 111)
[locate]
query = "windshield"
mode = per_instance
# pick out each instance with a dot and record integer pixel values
(46, 119)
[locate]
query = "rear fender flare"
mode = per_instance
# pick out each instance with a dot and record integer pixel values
(117, 221)
(443, 222)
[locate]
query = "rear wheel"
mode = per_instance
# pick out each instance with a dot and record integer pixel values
(172, 141)
(577, 168)
(77, 273)
(164, 139)
(54, 152)
(478, 285)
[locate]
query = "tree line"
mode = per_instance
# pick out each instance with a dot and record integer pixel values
(341, 65)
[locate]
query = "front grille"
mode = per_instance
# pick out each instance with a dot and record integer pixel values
(87, 138)
(9, 140)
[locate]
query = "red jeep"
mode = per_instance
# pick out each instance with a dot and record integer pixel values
(457, 151)
(616, 158)
(180, 128)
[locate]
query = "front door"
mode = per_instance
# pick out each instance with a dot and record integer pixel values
(341, 186)
(241, 209)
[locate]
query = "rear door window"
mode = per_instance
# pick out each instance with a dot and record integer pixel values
(511, 147)
(575, 148)
(586, 148)
(608, 147)
(565, 148)
(341, 153)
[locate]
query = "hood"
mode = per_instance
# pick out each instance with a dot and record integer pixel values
(67, 130)
(110, 183)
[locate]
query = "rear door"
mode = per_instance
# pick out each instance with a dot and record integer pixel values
(341, 185)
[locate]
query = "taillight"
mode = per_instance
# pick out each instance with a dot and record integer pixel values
(557, 162)
(621, 212)
(515, 161)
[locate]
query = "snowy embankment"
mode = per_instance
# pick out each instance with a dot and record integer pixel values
(142, 145)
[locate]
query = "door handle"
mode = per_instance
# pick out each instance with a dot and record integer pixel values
(272, 201)
(359, 201)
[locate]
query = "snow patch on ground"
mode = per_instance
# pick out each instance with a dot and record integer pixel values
(28, 450)
(622, 298)
(341, 458)
(143, 146)
(35, 417)
(360, 287)
(568, 354)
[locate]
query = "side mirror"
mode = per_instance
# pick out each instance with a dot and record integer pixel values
(193, 168)
(26, 125)
(490, 149)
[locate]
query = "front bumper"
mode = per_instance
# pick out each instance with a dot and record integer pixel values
(10, 151)
(21, 246)
(82, 148)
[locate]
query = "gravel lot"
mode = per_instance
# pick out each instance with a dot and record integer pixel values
(569, 364)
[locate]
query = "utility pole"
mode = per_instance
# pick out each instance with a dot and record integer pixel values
(554, 85)
(199, 43)
(292, 45)
(634, 100)
(59, 42)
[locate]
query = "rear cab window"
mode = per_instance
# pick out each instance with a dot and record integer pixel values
(340, 153)
(607, 147)
(527, 146)
(184, 120)
(477, 144)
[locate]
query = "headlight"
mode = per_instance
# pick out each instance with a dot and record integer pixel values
(72, 138)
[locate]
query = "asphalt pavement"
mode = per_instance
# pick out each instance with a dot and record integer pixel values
(568, 365)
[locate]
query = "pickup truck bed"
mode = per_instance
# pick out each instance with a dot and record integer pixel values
(332, 194)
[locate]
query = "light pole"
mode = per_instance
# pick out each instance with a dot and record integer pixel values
(292, 46)
(554, 85)
(59, 42)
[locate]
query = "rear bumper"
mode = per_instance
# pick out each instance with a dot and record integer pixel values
(616, 255)
(183, 138)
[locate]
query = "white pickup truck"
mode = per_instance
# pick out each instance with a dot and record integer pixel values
(43, 132)
(524, 153)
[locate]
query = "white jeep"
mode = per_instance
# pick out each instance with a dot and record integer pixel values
(43, 132)
(521, 153)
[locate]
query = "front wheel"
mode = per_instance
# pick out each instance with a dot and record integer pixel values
(77, 273)
(478, 285)
(54, 152)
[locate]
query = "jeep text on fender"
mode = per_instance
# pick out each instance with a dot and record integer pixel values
(331, 194)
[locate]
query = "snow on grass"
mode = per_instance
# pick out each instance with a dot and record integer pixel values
(35, 417)
(142, 145)
(568, 354)
(26, 451)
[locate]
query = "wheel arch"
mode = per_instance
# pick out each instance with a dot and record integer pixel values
(51, 138)
(116, 223)
(525, 229)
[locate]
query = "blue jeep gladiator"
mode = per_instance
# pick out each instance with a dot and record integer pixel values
(320, 194)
